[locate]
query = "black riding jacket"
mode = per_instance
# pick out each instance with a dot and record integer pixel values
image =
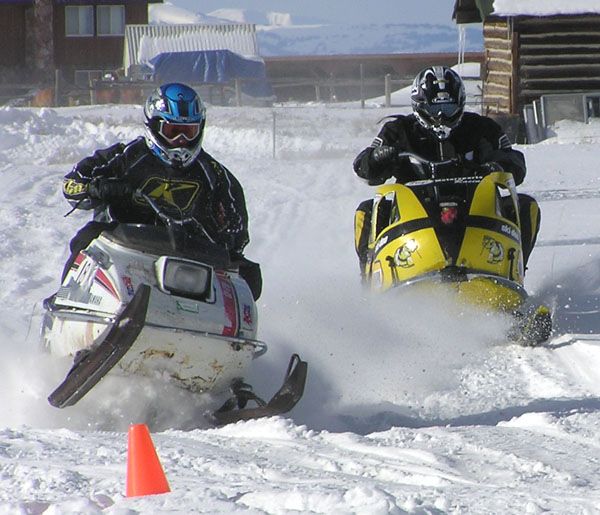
(205, 190)
(476, 140)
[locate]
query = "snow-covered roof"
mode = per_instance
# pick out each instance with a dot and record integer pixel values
(143, 42)
(545, 7)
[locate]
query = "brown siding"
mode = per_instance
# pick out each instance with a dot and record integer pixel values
(12, 35)
(93, 53)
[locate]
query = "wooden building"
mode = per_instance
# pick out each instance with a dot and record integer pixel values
(39, 37)
(532, 50)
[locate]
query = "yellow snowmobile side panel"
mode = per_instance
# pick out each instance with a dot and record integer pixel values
(407, 257)
(410, 206)
(483, 292)
(488, 293)
(484, 200)
(491, 252)
(403, 196)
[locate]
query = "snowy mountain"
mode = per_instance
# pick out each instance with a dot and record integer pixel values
(364, 39)
(264, 19)
(413, 404)
(281, 34)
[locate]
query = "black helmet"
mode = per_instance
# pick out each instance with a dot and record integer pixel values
(438, 99)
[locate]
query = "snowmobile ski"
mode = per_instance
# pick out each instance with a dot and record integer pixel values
(93, 364)
(283, 401)
(533, 327)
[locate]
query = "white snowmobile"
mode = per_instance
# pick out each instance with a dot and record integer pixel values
(142, 298)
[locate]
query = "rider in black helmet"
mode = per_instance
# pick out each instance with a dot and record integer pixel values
(439, 129)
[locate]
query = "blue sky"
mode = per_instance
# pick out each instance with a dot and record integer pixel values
(362, 11)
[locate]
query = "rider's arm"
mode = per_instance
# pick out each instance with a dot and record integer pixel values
(230, 214)
(375, 166)
(102, 163)
(495, 146)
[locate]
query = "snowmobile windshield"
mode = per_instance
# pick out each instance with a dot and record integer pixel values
(153, 239)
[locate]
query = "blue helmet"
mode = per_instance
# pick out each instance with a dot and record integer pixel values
(174, 119)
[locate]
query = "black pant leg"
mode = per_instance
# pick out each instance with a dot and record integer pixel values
(81, 240)
(251, 273)
(362, 225)
(530, 216)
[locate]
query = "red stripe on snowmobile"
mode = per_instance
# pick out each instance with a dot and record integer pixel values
(105, 281)
(78, 260)
(230, 305)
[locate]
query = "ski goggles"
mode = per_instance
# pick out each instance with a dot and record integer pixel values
(171, 132)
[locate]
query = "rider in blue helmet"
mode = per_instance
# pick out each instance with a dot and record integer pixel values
(169, 165)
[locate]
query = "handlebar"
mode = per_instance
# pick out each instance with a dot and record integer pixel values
(428, 162)
(169, 220)
(427, 169)
(163, 217)
(454, 170)
(471, 179)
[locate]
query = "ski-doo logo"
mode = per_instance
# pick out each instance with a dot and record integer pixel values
(510, 231)
(178, 193)
(495, 250)
(381, 243)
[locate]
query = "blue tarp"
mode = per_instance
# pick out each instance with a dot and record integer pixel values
(213, 67)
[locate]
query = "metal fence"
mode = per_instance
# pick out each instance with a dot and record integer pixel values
(542, 114)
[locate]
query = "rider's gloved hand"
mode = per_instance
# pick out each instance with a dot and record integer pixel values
(109, 189)
(489, 167)
(382, 162)
(384, 154)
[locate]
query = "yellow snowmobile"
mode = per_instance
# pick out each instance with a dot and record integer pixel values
(459, 231)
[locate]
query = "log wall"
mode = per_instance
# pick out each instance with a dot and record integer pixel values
(527, 57)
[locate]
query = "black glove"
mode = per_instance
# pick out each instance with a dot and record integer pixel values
(383, 154)
(489, 167)
(109, 189)
(251, 273)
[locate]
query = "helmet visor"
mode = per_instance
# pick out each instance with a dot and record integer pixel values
(443, 110)
(442, 113)
(175, 133)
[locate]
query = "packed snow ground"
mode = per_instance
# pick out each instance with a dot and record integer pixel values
(413, 405)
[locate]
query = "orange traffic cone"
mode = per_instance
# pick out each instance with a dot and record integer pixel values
(145, 475)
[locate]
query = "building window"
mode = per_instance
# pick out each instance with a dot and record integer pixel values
(111, 20)
(79, 20)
